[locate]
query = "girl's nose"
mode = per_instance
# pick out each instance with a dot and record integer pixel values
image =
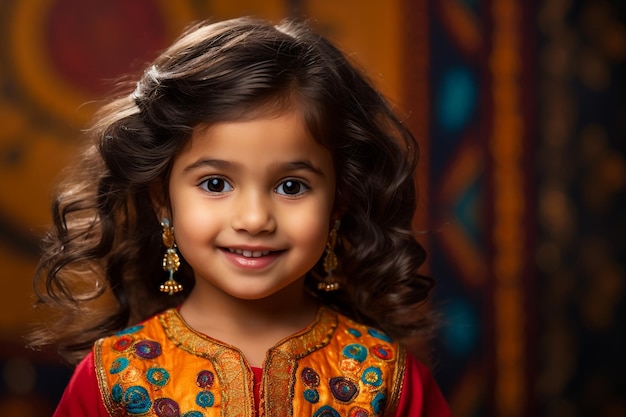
(253, 214)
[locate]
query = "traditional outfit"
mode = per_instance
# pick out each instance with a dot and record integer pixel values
(334, 367)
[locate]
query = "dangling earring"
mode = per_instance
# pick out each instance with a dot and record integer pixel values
(329, 283)
(171, 261)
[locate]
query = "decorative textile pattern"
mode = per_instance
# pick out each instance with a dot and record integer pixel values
(333, 367)
(480, 185)
(140, 373)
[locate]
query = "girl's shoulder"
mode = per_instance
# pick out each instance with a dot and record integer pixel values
(145, 338)
(360, 342)
(359, 331)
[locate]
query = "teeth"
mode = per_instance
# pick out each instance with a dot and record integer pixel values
(249, 253)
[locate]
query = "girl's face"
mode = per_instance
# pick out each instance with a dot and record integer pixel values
(251, 205)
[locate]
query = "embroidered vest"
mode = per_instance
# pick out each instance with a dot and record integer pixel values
(335, 367)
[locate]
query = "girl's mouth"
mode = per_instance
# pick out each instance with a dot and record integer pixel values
(249, 253)
(252, 259)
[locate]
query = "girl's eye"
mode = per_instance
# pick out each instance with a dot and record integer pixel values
(291, 188)
(216, 185)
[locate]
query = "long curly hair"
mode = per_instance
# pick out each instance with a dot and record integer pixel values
(101, 264)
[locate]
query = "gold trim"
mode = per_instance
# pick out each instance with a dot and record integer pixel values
(101, 375)
(236, 386)
(282, 362)
(397, 382)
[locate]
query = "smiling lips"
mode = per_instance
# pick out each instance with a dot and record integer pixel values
(251, 259)
(249, 253)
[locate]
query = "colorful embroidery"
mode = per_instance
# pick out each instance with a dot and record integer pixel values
(384, 352)
(147, 349)
(378, 403)
(358, 412)
(130, 330)
(157, 376)
(350, 366)
(137, 400)
(130, 375)
(117, 393)
(166, 407)
(379, 335)
(140, 398)
(355, 351)
(354, 332)
(123, 343)
(205, 379)
(311, 395)
(334, 367)
(119, 365)
(310, 378)
(372, 376)
(205, 399)
(232, 378)
(326, 411)
(343, 389)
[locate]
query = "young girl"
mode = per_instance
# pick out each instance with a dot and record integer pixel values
(237, 240)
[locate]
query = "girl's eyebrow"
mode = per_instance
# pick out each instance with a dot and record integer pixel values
(211, 163)
(303, 165)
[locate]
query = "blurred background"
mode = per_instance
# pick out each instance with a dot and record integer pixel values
(520, 110)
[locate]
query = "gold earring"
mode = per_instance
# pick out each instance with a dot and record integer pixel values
(171, 261)
(329, 283)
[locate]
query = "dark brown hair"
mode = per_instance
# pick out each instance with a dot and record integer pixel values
(101, 266)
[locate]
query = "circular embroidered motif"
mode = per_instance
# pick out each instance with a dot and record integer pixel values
(147, 349)
(130, 374)
(372, 376)
(350, 366)
(311, 395)
(310, 378)
(384, 352)
(205, 399)
(343, 389)
(205, 379)
(193, 414)
(117, 393)
(130, 330)
(355, 351)
(326, 411)
(166, 407)
(358, 412)
(354, 332)
(157, 376)
(379, 335)
(137, 400)
(123, 343)
(118, 365)
(378, 403)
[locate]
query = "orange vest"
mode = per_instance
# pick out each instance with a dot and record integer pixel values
(334, 367)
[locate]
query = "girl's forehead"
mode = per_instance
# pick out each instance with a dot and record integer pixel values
(266, 139)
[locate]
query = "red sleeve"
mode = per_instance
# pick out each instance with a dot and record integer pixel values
(82, 394)
(420, 394)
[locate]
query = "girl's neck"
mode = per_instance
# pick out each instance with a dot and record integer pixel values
(253, 326)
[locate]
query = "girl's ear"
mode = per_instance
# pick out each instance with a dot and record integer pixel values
(338, 211)
(160, 202)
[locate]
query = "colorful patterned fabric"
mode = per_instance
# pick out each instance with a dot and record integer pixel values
(334, 367)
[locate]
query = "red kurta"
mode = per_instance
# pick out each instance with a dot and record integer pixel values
(357, 365)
